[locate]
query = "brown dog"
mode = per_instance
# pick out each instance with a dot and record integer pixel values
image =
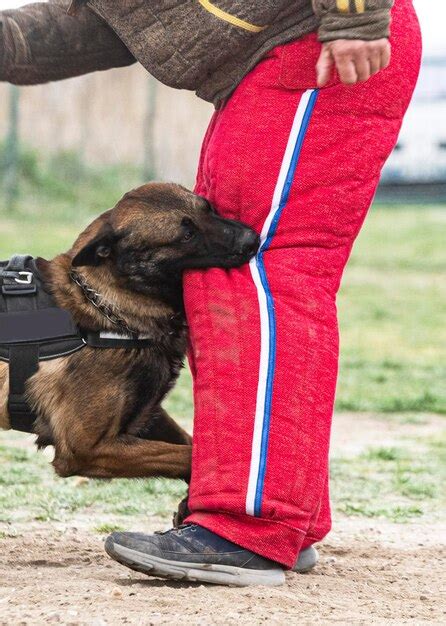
(101, 408)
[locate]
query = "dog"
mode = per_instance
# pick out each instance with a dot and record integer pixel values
(101, 408)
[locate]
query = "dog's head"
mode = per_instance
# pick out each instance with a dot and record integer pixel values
(157, 231)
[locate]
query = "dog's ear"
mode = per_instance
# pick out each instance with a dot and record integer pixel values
(98, 249)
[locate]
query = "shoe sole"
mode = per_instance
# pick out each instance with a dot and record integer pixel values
(192, 572)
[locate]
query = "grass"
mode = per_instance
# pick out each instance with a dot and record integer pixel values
(396, 483)
(393, 358)
(57, 197)
(392, 304)
(29, 490)
(392, 307)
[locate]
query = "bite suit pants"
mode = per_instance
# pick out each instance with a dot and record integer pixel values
(300, 165)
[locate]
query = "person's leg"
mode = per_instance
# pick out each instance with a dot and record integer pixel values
(301, 166)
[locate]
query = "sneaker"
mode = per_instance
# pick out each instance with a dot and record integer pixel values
(306, 560)
(193, 553)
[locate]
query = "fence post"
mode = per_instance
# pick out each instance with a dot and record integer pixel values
(11, 157)
(149, 167)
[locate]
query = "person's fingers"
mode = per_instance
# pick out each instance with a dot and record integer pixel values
(346, 69)
(375, 62)
(362, 65)
(386, 52)
(324, 66)
(355, 60)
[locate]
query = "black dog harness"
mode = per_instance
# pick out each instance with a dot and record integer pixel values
(34, 328)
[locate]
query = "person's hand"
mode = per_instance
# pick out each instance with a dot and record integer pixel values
(355, 60)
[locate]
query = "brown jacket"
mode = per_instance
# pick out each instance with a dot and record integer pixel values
(203, 45)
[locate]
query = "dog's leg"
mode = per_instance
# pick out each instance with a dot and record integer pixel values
(127, 457)
(161, 427)
(182, 512)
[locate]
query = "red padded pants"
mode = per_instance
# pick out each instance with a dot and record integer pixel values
(301, 166)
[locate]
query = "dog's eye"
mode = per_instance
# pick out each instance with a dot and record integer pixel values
(188, 235)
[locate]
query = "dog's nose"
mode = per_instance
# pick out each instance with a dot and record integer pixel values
(249, 242)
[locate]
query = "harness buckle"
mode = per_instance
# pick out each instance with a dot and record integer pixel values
(22, 284)
(25, 278)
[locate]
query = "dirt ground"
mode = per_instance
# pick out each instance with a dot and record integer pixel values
(370, 572)
(377, 573)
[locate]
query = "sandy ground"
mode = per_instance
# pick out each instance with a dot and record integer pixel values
(370, 572)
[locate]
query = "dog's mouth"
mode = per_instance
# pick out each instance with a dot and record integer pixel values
(243, 251)
(240, 257)
(245, 255)
(228, 260)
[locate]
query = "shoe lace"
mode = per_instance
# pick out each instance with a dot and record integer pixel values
(178, 531)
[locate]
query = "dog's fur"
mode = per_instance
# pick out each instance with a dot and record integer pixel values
(101, 408)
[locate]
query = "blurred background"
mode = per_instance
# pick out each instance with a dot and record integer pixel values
(123, 118)
(69, 150)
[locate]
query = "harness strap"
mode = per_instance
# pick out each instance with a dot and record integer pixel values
(33, 328)
(23, 363)
(18, 263)
(106, 339)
